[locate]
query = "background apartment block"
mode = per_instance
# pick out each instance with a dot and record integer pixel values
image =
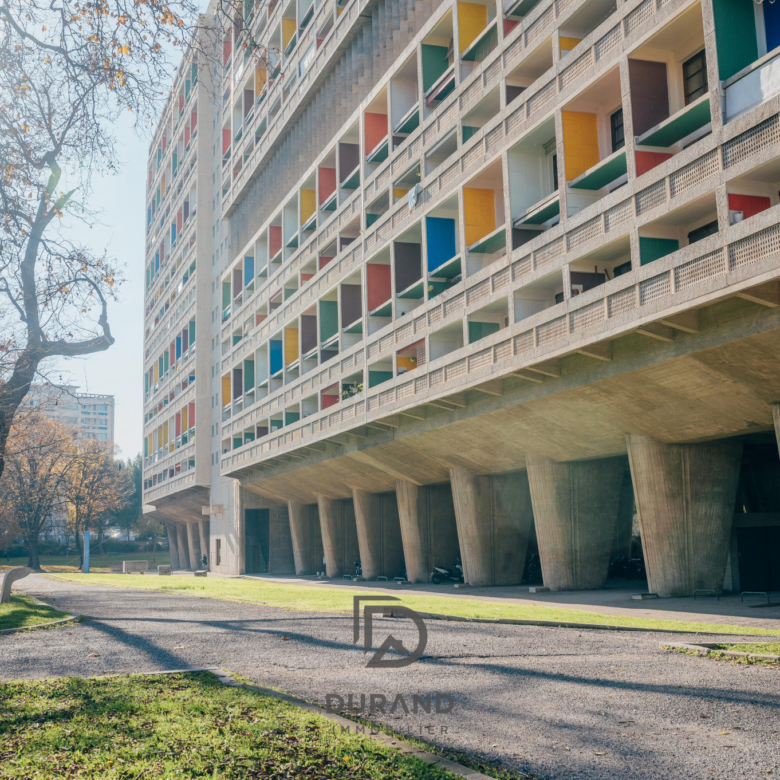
(484, 278)
(91, 414)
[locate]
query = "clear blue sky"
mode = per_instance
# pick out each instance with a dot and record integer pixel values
(119, 370)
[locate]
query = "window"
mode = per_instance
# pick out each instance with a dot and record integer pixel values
(695, 77)
(702, 232)
(616, 129)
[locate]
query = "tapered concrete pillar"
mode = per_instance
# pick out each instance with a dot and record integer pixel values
(192, 545)
(776, 418)
(624, 528)
(331, 530)
(494, 523)
(575, 508)
(172, 546)
(306, 537)
(368, 518)
(685, 496)
(413, 530)
(181, 538)
(203, 533)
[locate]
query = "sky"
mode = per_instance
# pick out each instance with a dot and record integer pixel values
(119, 371)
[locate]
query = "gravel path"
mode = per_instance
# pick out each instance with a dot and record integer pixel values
(562, 703)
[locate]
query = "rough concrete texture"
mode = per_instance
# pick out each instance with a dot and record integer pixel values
(575, 509)
(494, 524)
(339, 535)
(562, 703)
(685, 496)
(379, 534)
(306, 537)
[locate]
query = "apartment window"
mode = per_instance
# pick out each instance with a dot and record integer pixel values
(705, 230)
(695, 77)
(616, 129)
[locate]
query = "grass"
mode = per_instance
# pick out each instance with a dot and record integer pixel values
(329, 599)
(732, 660)
(100, 563)
(184, 726)
(23, 611)
(766, 648)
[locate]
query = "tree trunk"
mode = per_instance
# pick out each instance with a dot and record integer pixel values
(33, 557)
(154, 548)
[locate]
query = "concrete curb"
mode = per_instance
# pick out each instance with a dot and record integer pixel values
(710, 650)
(61, 622)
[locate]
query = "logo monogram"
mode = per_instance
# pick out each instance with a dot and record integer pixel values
(378, 660)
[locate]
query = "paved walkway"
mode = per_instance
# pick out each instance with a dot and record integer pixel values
(613, 600)
(562, 703)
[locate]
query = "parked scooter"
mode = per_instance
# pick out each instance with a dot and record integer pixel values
(441, 573)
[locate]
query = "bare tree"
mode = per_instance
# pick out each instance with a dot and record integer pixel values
(38, 457)
(67, 70)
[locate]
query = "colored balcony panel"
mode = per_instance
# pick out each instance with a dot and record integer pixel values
(580, 142)
(651, 249)
(275, 351)
(441, 242)
(329, 323)
(479, 213)
(685, 122)
(378, 279)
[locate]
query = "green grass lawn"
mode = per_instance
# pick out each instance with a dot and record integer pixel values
(326, 599)
(180, 726)
(23, 611)
(767, 648)
(65, 564)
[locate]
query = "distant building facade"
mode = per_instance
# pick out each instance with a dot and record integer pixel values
(90, 414)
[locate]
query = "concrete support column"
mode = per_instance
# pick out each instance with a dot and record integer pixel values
(368, 518)
(776, 418)
(306, 538)
(240, 522)
(181, 539)
(192, 543)
(414, 529)
(172, 546)
(332, 533)
(203, 532)
(494, 521)
(685, 495)
(575, 508)
(624, 528)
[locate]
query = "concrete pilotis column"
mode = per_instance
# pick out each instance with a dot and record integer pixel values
(240, 521)
(181, 541)
(624, 528)
(776, 418)
(368, 518)
(575, 509)
(204, 539)
(332, 533)
(685, 496)
(172, 546)
(192, 545)
(306, 539)
(414, 530)
(494, 521)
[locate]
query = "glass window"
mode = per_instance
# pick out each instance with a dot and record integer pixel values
(695, 77)
(616, 128)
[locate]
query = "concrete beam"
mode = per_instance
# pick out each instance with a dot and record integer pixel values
(548, 368)
(575, 508)
(494, 524)
(685, 496)
(656, 330)
(528, 376)
(767, 294)
(686, 321)
(491, 387)
(601, 350)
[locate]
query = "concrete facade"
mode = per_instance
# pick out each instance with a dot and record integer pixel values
(465, 257)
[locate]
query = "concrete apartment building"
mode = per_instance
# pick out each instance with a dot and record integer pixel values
(91, 414)
(483, 278)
